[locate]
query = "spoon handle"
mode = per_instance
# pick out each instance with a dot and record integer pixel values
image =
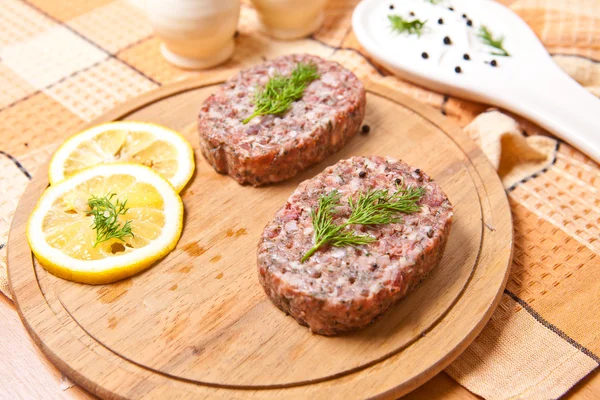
(560, 105)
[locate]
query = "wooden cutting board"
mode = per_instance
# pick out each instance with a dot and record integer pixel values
(198, 323)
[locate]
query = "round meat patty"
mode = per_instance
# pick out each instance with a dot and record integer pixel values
(271, 148)
(340, 289)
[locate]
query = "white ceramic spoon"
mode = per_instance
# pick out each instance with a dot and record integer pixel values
(528, 82)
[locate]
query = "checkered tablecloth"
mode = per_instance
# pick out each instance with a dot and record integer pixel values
(64, 62)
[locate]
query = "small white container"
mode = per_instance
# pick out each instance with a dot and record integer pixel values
(290, 19)
(195, 34)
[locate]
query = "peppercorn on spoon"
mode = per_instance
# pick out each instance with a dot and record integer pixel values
(479, 50)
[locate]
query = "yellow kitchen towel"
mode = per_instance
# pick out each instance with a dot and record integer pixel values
(64, 62)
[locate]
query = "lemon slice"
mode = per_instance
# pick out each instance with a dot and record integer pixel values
(162, 149)
(60, 231)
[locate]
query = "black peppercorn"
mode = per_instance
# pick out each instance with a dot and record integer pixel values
(469, 23)
(362, 174)
(451, 8)
(425, 55)
(391, 6)
(447, 40)
(412, 14)
(366, 129)
(441, 21)
(494, 63)
(466, 57)
(457, 70)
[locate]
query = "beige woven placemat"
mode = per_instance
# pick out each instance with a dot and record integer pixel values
(64, 62)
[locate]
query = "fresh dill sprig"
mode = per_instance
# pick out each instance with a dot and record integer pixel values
(280, 91)
(376, 207)
(401, 25)
(488, 38)
(106, 216)
(326, 231)
(379, 207)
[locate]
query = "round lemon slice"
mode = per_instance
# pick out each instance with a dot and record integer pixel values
(162, 149)
(138, 213)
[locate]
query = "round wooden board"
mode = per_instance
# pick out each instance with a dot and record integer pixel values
(198, 324)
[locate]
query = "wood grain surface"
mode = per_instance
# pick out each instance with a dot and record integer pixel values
(198, 323)
(30, 375)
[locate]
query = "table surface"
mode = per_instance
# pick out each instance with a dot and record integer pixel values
(27, 374)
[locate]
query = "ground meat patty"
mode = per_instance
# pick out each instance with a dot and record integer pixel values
(272, 148)
(340, 289)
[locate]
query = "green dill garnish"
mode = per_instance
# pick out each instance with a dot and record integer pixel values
(106, 216)
(326, 231)
(375, 207)
(401, 25)
(380, 207)
(280, 91)
(488, 38)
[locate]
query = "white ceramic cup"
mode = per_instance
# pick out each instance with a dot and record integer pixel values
(195, 34)
(290, 19)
